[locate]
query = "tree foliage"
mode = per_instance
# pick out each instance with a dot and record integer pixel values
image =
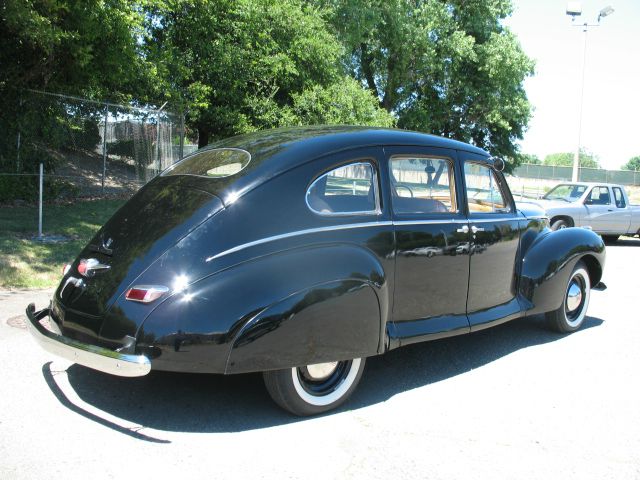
(632, 164)
(565, 159)
(530, 159)
(445, 67)
(251, 64)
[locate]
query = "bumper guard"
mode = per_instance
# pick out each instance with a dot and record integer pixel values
(92, 356)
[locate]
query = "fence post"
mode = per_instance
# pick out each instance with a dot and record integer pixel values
(19, 140)
(181, 135)
(18, 153)
(158, 153)
(104, 146)
(40, 202)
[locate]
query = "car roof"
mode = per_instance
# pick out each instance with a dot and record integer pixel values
(590, 184)
(274, 152)
(286, 144)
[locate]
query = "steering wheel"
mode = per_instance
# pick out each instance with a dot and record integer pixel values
(399, 185)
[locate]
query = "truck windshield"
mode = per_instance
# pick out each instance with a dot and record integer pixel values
(568, 193)
(213, 163)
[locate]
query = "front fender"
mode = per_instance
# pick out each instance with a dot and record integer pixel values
(194, 330)
(549, 261)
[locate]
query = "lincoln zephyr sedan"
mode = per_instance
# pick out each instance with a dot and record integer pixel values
(301, 252)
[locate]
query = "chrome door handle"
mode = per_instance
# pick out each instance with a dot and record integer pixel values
(475, 229)
(464, 229)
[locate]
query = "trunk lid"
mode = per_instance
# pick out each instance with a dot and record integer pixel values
(156, 218)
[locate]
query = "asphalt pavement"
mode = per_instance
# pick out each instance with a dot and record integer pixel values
(515, 401)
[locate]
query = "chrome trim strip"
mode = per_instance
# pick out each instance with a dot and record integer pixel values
(431, 222)
(489, 220)
(346, 227)
(297, 234)
(91, 356)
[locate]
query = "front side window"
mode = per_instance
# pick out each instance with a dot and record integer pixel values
(347, 190)
(484, 194)
(422, 185)
(214, 163)
(599, 196)
(619, 197)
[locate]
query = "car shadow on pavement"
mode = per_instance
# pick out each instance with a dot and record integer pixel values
(624, 242)
(179, 402)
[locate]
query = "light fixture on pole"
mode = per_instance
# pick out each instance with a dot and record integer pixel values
(574, 9)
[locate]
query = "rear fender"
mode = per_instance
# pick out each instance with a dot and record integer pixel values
(549, 261)
(315, 289)
(339, 320)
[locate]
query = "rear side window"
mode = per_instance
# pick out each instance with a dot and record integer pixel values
(347, 190)
(619, 197)
(214, 163)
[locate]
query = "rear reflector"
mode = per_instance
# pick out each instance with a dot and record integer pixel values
(146, 293)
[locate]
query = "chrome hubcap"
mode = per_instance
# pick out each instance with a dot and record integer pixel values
(321, 370)
(574, 296)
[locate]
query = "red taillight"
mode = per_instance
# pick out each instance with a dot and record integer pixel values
(82, 268)
(145, 293)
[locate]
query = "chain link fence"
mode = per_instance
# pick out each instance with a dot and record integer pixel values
(87, 148)
(549, 172)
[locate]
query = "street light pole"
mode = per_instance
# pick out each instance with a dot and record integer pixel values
(574, 9)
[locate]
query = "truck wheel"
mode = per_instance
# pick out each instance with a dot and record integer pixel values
(315, 388)
(610, 238)
(558, 224)
(570, 316)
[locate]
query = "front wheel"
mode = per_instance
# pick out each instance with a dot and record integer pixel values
(559, 225)
(570, 316)
(314, 389)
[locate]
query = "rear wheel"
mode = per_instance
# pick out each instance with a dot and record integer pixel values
(610, 238)
(314, 389)
(570, 316)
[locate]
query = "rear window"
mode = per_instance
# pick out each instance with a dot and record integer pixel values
(214, 163)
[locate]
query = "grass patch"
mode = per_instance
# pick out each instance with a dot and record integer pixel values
(26, 263)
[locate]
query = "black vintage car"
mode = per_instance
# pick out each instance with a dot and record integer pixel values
(300, 252)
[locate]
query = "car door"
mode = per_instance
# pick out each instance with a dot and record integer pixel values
(621, 215)
(600, 211)
(495, 238)
(432, 243)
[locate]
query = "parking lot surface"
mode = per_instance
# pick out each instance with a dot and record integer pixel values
(515, 401)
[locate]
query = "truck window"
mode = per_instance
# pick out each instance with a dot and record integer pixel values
(599, 196)
(619, 197)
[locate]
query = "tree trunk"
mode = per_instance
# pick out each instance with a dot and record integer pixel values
(203, 137)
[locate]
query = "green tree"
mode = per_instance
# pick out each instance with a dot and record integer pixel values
(445, 67)
(565, 159)
(530, 159)
(245, 65)
(632, 164)
(344, 102)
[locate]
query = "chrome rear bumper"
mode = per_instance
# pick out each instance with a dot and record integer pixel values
(92, 356)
